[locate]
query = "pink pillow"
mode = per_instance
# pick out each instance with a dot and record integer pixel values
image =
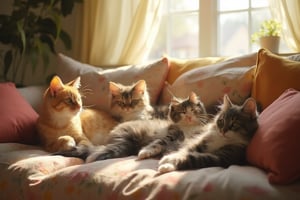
(17, 119)
(275, 146)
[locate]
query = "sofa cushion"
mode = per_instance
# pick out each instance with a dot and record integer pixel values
(232, 77)
(272, 76)
(96, 81)
(33, 95)
(275, 145)
(179, 66)
(17, 119)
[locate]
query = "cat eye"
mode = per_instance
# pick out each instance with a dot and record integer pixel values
(134, 102)
(234, 126)
(69, 101)
(121, 103)
(220, 122)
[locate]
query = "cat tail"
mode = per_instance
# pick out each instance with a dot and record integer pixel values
(81, 152)
(119, 147)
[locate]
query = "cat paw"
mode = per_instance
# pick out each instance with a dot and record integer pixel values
(143, 154)
(66, 143)
(98, 156)
(168, 163)
(165, 168)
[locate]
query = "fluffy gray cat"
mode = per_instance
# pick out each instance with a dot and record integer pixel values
(222, 142)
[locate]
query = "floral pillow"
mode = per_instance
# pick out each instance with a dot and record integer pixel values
(95, 80)
(232, 77)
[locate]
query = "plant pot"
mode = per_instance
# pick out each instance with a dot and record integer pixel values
(270, 42)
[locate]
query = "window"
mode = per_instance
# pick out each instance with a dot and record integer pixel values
(198, 28)
(179, 30)
(237, 20)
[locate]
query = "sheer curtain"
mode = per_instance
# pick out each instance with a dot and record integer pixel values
(288, 13)
(117, 32)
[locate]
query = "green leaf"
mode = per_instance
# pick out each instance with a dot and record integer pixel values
(47, 26)
(66, 39)
(67, 7)
(8, 29)
(22, 33)
(56, 16)
(7, 61)
(18, 14)
(49, 41)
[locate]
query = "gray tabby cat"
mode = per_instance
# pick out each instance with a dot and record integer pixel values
(149, 138)
(130, 102)
(222, 142)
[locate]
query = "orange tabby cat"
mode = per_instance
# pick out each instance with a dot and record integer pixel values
(63, 124)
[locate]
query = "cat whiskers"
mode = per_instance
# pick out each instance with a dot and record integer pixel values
(85, 91)
(205, 118)
(88, 106)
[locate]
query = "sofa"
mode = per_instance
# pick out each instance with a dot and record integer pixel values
(27, 171)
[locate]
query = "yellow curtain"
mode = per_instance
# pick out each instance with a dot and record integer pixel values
(117, 32)
(288, 13)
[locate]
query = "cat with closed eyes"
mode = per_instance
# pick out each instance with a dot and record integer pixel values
(222, 142)
(150, 138)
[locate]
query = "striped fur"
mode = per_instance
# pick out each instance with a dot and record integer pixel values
(149, 138)
(222, 142)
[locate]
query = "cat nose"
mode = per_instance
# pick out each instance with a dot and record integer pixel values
(224, 130)
(188, 118)
(76, 107)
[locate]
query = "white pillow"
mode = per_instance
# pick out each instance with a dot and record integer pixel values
(33, 95)
(233, 77)
(97, 80)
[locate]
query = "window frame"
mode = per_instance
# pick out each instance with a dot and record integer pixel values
(208, 26)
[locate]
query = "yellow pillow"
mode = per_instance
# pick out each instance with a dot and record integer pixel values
(272, 76)
(179, 66)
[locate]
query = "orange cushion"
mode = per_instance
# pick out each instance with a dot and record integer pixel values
(272, 76)
(275, 145)
(233, 76)
(17, 118)
(179, 66)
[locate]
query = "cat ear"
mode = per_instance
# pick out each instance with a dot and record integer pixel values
(250, 107)
(193, 97)
(140, 86)
(55, 85)
(75, 83)
(174, 101)
(226, 102)
(114, 88)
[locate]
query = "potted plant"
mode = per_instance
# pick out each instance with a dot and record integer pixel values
(30, 32)
(268, 35)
